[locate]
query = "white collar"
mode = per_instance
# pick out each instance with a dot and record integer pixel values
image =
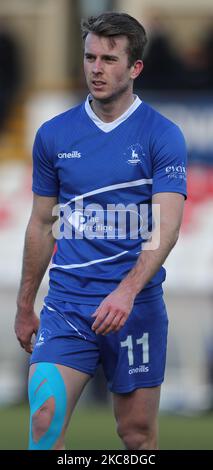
(109, 126)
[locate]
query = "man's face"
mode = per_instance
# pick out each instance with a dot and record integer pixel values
(106, 66)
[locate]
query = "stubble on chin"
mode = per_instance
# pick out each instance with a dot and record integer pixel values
(110, 98)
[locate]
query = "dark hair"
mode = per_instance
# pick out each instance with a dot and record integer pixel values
(111, 24)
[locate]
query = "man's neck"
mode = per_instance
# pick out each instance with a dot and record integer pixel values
(109, 112)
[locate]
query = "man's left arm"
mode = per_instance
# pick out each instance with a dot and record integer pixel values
(114, 310)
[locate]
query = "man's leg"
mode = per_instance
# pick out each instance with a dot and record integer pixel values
(53, 393)
(136, 414)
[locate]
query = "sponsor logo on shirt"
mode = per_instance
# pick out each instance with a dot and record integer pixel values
(113, 221)
(73, 154)
(176, 171)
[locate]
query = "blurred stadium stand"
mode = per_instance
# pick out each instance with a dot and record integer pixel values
(47, 33)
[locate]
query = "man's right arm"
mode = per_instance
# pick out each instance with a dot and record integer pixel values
(38, 250)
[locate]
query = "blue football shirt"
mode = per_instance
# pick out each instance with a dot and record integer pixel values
(104, 176)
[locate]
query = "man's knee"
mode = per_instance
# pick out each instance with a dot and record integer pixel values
(136, 436)
(42, 418)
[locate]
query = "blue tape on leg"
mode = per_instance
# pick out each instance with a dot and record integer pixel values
(47, 382)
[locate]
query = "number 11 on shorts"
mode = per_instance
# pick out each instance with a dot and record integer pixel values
(128, 343)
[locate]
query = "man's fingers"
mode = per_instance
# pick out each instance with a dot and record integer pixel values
(111, 322)
(117, 323)
(101, 314)
(96, 312)
(112, 326)
(28, 347)
(26, 344)
(106, 323)
(120, 324)
(109, 317)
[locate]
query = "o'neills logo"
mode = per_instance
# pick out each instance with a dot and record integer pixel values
(73, 154)
(139, 369)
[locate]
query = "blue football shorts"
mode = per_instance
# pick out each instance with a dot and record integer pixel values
(132, 358)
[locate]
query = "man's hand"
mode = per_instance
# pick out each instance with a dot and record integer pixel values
(113, 311)
(25, 325)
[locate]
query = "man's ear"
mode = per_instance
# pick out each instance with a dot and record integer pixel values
(137, 68)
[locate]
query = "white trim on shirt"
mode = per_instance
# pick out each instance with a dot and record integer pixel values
(109, 126)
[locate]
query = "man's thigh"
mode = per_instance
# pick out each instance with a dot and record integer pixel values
(73, 380)
(135, 357)
(64, 358)
(55, 388)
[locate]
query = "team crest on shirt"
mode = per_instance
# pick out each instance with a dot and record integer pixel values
(43, 336)
(134, 154)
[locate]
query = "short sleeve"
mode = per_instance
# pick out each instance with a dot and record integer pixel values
(170, 162)
(45, 180)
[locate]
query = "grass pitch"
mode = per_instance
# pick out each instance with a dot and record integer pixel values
(94, 428)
